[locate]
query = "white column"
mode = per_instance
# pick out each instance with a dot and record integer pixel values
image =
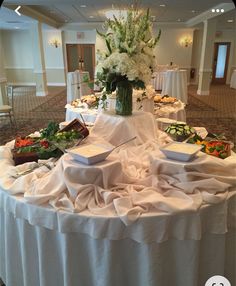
(234, 48)
(39, 61)
(3, 79)
(207, 53)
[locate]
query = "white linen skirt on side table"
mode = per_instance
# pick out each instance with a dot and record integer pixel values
(175, 84)
(233, 80)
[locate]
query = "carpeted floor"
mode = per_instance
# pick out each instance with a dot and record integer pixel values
(33, 113)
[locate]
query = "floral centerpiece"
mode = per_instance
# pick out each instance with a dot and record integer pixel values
(129, 60)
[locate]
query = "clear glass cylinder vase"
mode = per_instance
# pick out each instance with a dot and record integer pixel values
(124, 100)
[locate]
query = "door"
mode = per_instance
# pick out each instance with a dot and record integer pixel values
(220, 62)
(81, 57)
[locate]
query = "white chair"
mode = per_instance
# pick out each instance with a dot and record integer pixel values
(6, 109)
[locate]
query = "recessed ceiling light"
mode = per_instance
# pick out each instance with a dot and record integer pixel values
(162, 5)
(193, 11)
(230, 21)
(179, 20)
(17, 27)
(91, 17)
(83, 6)
(217, 10)
(213, 10)
(222, 10)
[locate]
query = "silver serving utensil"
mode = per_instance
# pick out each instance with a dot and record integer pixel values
(131, 139)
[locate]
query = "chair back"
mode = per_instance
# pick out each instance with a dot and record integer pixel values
(9, 96)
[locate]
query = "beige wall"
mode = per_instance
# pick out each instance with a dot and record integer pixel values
(18, 49)
(55, 76)
(169, 49)
(24, 76)
(18, 59)
(221, 36)
(87, 37)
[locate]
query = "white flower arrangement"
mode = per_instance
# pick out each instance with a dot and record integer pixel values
(130, 51)
(148, 93)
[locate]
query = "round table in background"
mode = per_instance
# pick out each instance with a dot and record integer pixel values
(175, 84)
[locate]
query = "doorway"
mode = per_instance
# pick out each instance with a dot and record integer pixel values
(81, 57)
(220, 62)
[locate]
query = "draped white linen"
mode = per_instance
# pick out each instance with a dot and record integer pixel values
(175, 84)
(88, 225)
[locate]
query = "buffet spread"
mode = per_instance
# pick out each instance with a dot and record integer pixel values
(135, 179)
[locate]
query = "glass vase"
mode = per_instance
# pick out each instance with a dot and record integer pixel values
(124, 100)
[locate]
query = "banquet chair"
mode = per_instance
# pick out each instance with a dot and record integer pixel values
(6, 109)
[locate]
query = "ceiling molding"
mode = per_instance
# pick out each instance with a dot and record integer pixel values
(34, 14)
(209, 15)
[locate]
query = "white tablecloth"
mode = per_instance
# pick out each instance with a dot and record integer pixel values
(233, 80)
(175, 85)
(174, 111)
(96, 225)
(32, 254)
(76, 87)
(157, 80)
(89, 115)
(116, 129)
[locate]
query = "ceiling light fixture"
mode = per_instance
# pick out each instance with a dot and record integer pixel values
(91, 16)
(83, 6)
(230, 21)
(162, 5)
(178, 20)
(217, 10)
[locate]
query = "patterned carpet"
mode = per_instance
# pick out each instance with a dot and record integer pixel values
(33, 113)
(216, 112)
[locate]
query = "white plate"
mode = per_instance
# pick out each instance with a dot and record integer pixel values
(91, 153)
(181, 151)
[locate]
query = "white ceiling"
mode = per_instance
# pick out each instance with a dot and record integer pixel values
(72, 11)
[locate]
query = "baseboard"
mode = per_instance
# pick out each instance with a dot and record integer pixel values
(34, 84)
(41, 93)
(202, 92)
(56, 84)
(22, 83)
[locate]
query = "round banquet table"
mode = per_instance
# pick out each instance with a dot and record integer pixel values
(233, 80)
(107, 224)
(174, 111)
(89, 115)
(157, 80)
(35, 248)
(175, 84)
(77, 85)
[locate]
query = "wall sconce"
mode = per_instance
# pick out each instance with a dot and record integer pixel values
(55, 42)
(185, 42)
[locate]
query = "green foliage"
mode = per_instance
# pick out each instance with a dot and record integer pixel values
(50, 130)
